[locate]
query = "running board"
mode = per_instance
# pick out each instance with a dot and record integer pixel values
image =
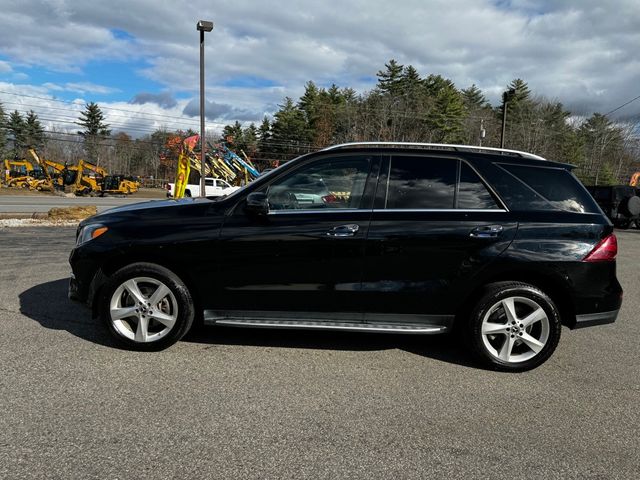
(308, 324)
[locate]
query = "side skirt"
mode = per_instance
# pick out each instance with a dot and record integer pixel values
(357, 322)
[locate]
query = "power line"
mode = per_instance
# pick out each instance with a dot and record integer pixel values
(623, 105)
(68, 102)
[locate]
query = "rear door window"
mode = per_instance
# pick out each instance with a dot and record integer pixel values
(435, 183)
(472, 193)
(421, 183)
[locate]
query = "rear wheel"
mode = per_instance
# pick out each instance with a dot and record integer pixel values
(146, 307)
(514, 327)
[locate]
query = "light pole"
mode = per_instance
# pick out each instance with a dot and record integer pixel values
(202, 26)
(506, 96)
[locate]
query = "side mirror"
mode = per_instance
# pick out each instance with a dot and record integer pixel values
(257, 203)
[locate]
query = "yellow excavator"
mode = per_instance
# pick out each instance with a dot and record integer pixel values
(40, 179)
(119, 184)
(88, 183)
(17, 173)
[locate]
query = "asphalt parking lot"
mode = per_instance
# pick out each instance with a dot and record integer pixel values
(236, 403)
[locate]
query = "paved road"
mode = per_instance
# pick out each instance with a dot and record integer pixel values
(42, 203)
(231, 403)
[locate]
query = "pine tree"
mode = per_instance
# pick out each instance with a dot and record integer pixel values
(264, 136)
(232, 134)
(446, 117)
(289, 129)
(249, 140)
(410, 81)
(390, 80)
(16, 128)
(95, 130)
(308, 102)
(34, 133)
(473, 98)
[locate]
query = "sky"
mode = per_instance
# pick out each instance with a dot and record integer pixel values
(139, 59)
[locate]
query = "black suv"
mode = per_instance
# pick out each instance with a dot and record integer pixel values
(620, 203)
(502, 247)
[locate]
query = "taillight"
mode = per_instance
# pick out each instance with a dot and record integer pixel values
(331, 198)
(605, 251)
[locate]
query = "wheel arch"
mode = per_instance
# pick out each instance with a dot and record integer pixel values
(546, 282)
(113, 265)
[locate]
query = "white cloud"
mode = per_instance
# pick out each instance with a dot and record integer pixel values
(582, 53)
(5, 67)
(81, 87)
(136, 119)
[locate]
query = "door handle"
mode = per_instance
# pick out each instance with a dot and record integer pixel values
(486, 231)
(344, 230)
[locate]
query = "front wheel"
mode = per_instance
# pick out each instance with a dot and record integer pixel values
(146, 307)
(514, 327)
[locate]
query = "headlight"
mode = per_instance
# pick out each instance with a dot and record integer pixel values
(89, 232)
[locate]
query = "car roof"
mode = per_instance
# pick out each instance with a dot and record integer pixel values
(489, 153)
(437, 146)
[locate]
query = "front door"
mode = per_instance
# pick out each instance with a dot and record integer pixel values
(306, 254)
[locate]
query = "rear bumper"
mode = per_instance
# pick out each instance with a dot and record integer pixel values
(591, 319)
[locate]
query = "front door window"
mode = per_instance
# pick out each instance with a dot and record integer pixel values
(328, 184)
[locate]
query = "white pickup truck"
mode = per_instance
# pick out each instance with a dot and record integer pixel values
(214, 187)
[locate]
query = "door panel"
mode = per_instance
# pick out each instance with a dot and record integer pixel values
(288, 261)
(418, 262)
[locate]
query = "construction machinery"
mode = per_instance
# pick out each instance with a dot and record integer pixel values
(61, 174)
(88, 183)
(40, 178)
(118, 184)
(17, 173)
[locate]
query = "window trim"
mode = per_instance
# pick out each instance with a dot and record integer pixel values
(320, 210)
(389, 210)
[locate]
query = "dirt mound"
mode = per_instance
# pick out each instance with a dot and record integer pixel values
(72, 213)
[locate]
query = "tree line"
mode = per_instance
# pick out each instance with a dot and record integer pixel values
(403, 106)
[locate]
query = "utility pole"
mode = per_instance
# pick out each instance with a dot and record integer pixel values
(483, 132)
(202, 26)
(506, 97)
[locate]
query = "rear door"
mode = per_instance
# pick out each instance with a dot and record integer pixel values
(435, 225)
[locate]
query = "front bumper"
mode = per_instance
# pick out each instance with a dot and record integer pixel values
(74, 290)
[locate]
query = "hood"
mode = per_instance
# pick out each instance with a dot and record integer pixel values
(153, 208)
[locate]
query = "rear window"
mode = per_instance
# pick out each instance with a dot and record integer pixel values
(557, 187)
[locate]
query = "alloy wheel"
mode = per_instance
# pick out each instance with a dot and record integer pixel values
(515, 329)
(143, 309)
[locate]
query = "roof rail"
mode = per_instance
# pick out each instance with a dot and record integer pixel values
(438, 146)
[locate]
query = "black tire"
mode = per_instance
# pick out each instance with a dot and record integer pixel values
(183, 310)
(187, 193)
(488, 306)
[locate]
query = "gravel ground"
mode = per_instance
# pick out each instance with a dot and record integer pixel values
(234, 403)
